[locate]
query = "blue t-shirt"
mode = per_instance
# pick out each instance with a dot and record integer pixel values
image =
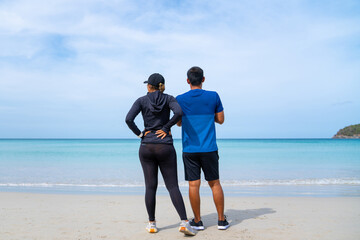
(198, 120)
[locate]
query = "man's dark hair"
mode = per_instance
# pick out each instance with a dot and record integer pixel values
(195, 76)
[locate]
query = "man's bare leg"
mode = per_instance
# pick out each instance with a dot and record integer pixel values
(194, 196)
(218, 196)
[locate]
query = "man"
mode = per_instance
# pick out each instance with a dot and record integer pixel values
(201, 109)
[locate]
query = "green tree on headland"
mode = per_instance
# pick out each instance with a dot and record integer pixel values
(349, 131)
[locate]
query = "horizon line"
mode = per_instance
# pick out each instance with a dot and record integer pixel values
(173, 139)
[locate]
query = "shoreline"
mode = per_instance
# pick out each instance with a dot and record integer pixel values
(346, 190)
(62, 216)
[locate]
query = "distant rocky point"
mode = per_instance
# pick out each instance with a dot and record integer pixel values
(352, 131)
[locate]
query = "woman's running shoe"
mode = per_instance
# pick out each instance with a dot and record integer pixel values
(151, 227)
(197, 225)
(186, 228)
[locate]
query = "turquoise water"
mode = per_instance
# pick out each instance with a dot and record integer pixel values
(259, 167)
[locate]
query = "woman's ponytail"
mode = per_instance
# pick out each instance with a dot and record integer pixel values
(161, 87)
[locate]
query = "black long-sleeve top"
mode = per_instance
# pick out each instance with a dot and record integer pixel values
(155, 108)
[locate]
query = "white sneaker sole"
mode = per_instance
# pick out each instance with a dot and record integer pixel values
(186, 231)
(223, 227)
(198, 228)
(151, 230)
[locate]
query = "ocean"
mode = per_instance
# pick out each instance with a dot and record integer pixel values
(248, 167)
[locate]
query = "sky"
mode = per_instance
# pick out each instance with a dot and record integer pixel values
(283, 69)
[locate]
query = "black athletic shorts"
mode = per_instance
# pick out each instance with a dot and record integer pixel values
(207, 161)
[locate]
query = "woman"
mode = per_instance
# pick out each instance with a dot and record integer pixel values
(156, 149)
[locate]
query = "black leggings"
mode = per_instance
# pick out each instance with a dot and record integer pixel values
(163, 156)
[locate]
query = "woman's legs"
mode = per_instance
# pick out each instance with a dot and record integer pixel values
(153, 156)
(150, 169)
(166, 156)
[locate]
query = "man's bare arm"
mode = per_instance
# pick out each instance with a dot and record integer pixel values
(219, 117)
(179, 123)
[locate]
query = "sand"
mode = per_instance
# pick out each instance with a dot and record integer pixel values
(50, 216)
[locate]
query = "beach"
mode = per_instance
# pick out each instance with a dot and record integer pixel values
(84, 216)
(94, 189)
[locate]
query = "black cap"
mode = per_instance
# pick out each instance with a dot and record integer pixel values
(155, 79)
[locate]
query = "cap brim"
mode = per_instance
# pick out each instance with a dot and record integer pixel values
(146, 82)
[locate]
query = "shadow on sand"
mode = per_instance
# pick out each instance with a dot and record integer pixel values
(234, 217)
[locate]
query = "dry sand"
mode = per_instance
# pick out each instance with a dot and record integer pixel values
(49, 216)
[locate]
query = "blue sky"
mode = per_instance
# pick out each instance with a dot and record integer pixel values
(283, 69)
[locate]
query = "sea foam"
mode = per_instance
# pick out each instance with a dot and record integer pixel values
(288, 182)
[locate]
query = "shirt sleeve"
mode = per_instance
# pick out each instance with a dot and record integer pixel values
(175, 107)
(219, 106)
(133, 112)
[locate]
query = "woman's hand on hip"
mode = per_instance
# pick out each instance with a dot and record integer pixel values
(161, 133)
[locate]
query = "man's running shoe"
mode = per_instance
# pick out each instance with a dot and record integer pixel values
(186, 228)
(197, 225)
(223, 225)
(151, 227)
